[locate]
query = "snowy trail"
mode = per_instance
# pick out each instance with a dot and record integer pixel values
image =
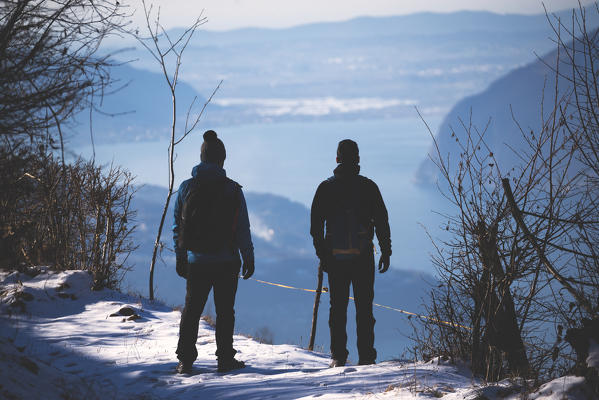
(66, 330)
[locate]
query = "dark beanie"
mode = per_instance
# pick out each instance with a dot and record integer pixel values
(347, 152)
(213, 149)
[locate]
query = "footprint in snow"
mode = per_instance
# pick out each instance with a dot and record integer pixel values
(348, 370)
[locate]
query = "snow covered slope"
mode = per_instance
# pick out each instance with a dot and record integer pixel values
(59, 340)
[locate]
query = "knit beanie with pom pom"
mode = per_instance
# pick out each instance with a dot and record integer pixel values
(213, 149)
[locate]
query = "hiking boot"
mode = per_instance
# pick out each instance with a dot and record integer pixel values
(230, 364)
(184, 367)
(336, 363)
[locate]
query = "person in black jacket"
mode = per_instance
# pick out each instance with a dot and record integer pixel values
(213, 260)
(352, 209)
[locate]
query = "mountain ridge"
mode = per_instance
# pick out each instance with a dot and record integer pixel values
(469, 20)
(509, 108)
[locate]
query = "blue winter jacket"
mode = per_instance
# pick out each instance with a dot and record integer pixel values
(242, 240)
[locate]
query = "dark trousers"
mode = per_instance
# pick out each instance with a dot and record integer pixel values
(360, 275)
(222, 279)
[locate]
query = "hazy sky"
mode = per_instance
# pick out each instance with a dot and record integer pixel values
(231, 14)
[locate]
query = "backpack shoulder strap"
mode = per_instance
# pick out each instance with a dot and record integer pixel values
(237, 203)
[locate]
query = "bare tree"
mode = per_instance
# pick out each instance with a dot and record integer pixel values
(522, 255)
(50, 64)
(566, 170)
(168, 53)
(482, 268)
(51, 67)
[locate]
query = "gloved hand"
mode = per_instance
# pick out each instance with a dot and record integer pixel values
(181, 267)
(321, 253)
(384, 262)
(248, 269)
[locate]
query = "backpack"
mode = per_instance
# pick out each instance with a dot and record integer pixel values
(347, 234)
(209, 217)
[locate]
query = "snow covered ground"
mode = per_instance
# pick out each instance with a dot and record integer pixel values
(59, 340)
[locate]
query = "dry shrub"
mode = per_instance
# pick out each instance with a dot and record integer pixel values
(73, 216)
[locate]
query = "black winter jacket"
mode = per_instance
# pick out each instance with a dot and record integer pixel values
(345, 182)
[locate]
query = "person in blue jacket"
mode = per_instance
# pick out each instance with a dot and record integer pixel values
(208, 255)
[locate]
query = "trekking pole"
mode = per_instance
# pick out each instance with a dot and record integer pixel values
(315, 311)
